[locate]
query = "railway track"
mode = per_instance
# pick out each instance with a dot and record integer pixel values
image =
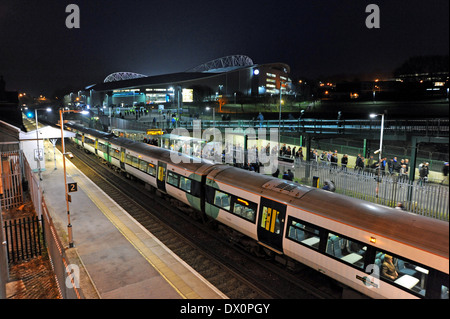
(236, 273)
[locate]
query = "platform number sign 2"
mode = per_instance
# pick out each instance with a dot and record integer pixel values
(72, 187)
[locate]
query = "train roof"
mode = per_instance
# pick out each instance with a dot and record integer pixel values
(90, 131)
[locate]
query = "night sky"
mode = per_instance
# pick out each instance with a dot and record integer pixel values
(38, 54)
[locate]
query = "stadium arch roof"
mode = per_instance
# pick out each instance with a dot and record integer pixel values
(119, 76)
(224, 64)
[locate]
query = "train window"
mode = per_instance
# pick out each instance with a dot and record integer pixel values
(151, 169)
(173, 179)
(185, 184)
(135, 162)
(222, 200)
(88, 140)
(444, 292)
(303, 233)
(114, 153)
(402, 272)
(143, 165)
(245, 209)
(102, 147)
(347, 250)
(128, 159)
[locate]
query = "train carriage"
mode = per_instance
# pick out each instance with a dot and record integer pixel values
(92, 140)
(342, 237)
(233, 206)
(354, 236)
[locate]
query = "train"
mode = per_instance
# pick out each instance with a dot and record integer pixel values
(377, 251)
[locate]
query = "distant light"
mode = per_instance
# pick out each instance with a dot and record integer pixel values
(255, 71)
(30, 114)
(373, 240)
(84, 112)
(372, 115)
(49, 109)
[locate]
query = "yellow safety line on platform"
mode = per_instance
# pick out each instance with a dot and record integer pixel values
(156, 262)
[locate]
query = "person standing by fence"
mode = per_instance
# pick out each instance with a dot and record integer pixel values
(344, 162)
(445, 173)
(423, 173)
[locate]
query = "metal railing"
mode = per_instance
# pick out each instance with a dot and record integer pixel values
(425, 127)
(419, 197)
(23, 238)
(11, 194)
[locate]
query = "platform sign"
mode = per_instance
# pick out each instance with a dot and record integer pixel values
(72, 187)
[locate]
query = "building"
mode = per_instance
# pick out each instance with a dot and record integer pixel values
(232, 79)
(9, 105)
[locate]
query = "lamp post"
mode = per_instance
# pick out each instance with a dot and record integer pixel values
(38, 153)
(279, 118)
(69, 225)
(379, 151)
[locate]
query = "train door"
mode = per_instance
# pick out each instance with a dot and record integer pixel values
(122, 158)
(108, 152)
(161, 178)
(271, 223)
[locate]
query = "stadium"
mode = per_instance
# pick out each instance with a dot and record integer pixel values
(232, 79)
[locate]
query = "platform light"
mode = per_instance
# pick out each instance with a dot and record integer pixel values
(373, 240)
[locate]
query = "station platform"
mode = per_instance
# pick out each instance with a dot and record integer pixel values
(121, 259)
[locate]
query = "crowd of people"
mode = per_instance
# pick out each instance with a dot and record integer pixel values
(384, 166)
(387, 167)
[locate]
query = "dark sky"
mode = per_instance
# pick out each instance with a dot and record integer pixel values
(38, 54)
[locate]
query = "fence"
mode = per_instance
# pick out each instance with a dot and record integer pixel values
(419, 197)
(11, 180)
(3, 261)
(23, 238)
(67, 284)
